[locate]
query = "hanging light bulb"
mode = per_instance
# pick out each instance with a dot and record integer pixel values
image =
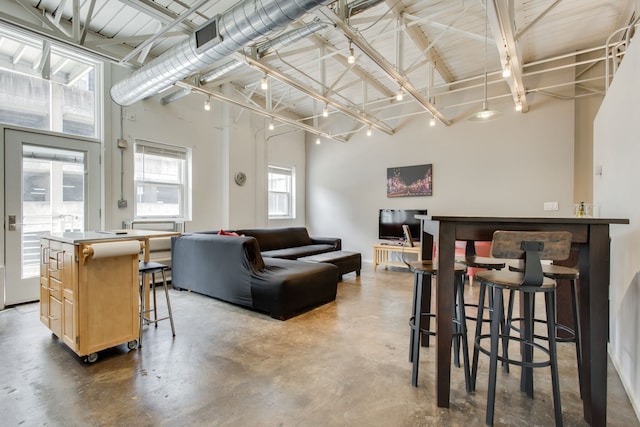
(485, 114)
(351, 59)
(325, 111)
(264, 85)
(272, 126)
(369, 131)
(207, 104)
(506, 71)
(432, 121)
(399, 94)
(318, 140)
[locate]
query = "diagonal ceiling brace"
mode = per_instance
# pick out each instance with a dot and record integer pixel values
(500, 22)
(384, 65)
(258, 110)
(272, 72)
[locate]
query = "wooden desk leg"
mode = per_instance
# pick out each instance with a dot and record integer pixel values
(594, 310)
(444, 298)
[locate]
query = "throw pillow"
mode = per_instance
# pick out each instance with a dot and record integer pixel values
(228, 233)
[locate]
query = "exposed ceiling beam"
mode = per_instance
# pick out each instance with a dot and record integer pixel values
(260, 111)
(421, 42)
(142, 46)
(261, 66)
(50, 32)
(87, 22)
(383, 63)
(160, 13)
(510, 56)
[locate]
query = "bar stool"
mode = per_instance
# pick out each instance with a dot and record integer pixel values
(421, 317)
(152, 268)
(532, 246)
(556, 272)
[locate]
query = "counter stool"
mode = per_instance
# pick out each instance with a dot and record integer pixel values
(556, 272)
(152, 268)
(532, 246)
(421, 315)
(487, 263)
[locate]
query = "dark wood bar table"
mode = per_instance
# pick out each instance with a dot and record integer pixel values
(590, 235)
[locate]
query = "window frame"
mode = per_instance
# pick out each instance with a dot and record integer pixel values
(289, 171)
(185, 185)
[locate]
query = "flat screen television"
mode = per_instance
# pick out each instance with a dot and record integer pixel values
(390, 222)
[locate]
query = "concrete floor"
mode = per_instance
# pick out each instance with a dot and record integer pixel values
(342, 364)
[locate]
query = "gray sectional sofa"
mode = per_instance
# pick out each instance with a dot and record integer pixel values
(233, 269)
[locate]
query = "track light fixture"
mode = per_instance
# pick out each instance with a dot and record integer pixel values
(351, 59)
(207, 104)
(264, 85)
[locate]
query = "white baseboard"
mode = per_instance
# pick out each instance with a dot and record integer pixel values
(635, 402)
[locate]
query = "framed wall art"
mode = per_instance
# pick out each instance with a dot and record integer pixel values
(410, 181)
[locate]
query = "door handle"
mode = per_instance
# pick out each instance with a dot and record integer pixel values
(12, 223)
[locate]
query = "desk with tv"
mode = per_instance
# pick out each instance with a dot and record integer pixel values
(590, 236)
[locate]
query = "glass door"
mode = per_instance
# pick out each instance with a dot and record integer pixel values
(53, 186)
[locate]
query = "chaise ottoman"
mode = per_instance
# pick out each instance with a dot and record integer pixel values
(345, 261)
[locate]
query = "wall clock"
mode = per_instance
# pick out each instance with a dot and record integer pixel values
(240, 178)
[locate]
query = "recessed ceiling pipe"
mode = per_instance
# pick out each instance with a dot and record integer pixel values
(238, 26)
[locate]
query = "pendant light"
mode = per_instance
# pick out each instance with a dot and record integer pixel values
(485, 114)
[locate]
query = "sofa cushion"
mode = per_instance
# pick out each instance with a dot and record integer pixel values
(271, 239)
(297, 251)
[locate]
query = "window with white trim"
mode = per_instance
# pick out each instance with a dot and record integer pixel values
(281, 191)
(162, 181)
(47, 86)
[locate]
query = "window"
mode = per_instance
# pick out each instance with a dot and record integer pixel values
(54, 91)
(281, 192)
(162, 181)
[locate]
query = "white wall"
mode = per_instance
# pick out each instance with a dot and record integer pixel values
(617, 151)
(225, 140)
(509, 166)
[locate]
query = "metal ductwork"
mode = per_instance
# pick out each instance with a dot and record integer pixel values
(290, 37)
(238, 26)
(220, 71)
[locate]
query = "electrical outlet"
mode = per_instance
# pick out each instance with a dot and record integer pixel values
(131, 117)
(122, 203)
(550, 206)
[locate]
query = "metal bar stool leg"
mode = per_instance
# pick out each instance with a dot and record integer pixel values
(166, 294)
(415, 358)
(493, 360)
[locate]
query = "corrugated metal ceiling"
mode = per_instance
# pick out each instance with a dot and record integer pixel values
(437, 45)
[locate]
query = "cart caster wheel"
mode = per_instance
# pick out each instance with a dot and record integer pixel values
(92, 357)
(132, 345)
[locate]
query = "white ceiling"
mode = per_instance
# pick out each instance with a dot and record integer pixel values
(435, 48)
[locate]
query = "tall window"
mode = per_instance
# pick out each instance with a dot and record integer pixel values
(281, 192)
(162, 181)
(44, 86)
